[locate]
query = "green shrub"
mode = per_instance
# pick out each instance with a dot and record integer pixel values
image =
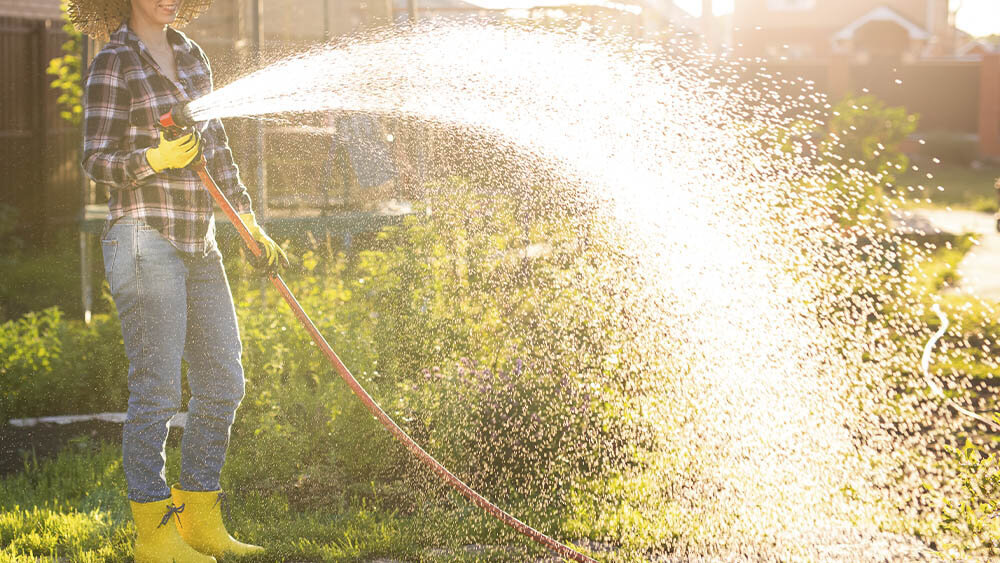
(867, 134)
(969, 520)
(861, 151)
(66, 70)
(50, 365)
(506, 366)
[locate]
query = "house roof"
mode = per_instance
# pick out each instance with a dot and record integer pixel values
(883, 14)
(31, 9)
(977, 46)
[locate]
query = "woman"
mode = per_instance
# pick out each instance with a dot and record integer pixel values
(164, 268)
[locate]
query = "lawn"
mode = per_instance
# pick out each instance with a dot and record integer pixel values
(70, 508)
(31, 280)
(964, 187)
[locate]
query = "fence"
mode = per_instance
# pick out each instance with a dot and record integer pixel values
(951, 95)
(39, 172)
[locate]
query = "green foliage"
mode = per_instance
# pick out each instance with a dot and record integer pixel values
(501, 364)
(940, 272)
(972, 519)
(51, 365)
(867, 134)
(67, 72)
(862, 147)
(47, 276)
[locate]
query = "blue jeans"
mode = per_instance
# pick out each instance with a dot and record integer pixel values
(173, 305)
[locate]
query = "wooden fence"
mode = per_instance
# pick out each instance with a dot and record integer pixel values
(959, 96)
(40, 174)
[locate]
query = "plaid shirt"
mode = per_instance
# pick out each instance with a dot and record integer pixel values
(125, 95)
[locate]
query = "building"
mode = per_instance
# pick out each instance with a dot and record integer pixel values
(877, 47)
(866, 30)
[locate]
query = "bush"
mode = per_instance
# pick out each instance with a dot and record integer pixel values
(485, 325)
(861, 151)
(67, 72)
(866, 133)
(969, 521)
(504, 364)
(50, 365)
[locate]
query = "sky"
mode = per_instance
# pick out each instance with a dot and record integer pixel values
(978, 17)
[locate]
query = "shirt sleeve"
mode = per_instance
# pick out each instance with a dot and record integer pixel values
(221, 164)
(106, 105)
(224, 170)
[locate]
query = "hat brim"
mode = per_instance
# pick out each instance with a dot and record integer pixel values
(99, 18)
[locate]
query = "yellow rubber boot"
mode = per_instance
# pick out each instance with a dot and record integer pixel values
(203, 528)
(157, 540)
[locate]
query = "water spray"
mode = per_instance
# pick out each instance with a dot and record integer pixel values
(935, 388)
(752, 319)
(174, 124)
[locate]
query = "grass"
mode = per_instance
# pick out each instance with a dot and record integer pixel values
(72, 508)
(964, 187)
(67, 508)
(36, 278)
(941, 271)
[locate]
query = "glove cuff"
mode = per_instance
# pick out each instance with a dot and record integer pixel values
(250, 220)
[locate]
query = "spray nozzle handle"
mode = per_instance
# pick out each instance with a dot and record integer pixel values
(176, 122)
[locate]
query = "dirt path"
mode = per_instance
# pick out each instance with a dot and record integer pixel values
(979, 271)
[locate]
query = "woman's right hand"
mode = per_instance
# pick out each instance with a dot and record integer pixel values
(177, 153)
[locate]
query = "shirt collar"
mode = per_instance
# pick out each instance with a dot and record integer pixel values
(125, 36)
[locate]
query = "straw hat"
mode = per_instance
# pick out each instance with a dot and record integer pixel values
(99, 18)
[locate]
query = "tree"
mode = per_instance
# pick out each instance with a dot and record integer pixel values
(66, 70)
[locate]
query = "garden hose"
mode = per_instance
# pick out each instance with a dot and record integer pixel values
(925, 361)
(174, 123)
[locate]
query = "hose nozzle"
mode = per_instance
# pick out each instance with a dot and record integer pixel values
(175, 121)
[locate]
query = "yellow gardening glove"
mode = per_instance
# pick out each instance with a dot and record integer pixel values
(274, 258)
(174, 154)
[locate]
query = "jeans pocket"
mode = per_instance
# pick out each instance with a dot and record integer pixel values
(109, 249)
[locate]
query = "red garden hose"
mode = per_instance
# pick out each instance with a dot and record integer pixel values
(183, 120)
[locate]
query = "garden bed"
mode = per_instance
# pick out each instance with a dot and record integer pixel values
(44, 441)
(39, 439)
